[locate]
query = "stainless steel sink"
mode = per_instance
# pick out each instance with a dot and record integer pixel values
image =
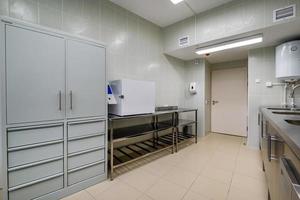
(287, 113)
(294, 122)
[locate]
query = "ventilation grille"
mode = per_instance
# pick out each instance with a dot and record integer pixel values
(284, 13)
(183, 41)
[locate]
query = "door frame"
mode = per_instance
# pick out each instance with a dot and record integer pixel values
(231, 65)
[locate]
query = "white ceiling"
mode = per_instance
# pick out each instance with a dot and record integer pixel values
(164, 12)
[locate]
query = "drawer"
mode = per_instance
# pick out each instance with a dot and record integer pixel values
(79, 129)
(34, 154)
(33, 135)
(85, 143)
(37, 190)
(29, 174)
(86, 173)
(85, 158)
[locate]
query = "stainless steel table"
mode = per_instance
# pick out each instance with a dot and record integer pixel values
(157, 143)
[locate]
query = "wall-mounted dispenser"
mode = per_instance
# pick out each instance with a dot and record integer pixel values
(192, 88)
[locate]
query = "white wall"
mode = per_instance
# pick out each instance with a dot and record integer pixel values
(261, 65)
(197, 72)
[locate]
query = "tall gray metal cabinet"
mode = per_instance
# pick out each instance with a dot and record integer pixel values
(53, 112)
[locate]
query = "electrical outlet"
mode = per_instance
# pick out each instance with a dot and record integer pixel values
(269, 84)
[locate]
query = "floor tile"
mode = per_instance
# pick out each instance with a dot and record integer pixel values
(98, 189)
(139, 179)
(238, 194)
(164, 190)
(158, 168)
(250, 168)
(145, 197)
(223, 162)
(217, 174)
(210, 188)
(254, 186)
(119, 191)
(190, 195)
(180, 177)
(79, 196)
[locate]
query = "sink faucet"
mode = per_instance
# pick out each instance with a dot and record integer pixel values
(292, 96)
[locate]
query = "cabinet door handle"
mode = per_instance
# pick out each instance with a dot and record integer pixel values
(269, 148)
(59, 100)
(71, 100)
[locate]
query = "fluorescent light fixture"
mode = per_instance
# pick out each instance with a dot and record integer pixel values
(230, 44)
(176, 1)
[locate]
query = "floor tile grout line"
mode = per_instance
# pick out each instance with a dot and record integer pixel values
(90, 194)
(227, 196)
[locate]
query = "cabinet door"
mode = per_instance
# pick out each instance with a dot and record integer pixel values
(35, 69)
(85, 80)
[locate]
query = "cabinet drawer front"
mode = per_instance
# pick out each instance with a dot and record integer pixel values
(33, 135)
(25, 156)
(85, 144)
(85, 159)
(83, 129)
(33, 173)
(86, 173)
(37, 190)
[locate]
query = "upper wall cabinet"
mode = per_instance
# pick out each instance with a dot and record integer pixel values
(86, 84)
(35, 79)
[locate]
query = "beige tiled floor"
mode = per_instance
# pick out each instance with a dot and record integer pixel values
(219, 167)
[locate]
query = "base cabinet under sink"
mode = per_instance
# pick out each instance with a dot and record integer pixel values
(280, 164)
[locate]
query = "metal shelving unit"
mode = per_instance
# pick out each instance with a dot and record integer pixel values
(180, 123)
(125, 154)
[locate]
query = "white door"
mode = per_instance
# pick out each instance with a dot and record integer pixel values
(35, 69)
(85, 80)
(229, 101)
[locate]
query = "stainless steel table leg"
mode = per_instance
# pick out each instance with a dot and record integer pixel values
(177, 135)
(173, 140)
(111, 152)
(196, 126)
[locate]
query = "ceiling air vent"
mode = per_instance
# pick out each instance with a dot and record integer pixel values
(183, 41)
(284, 13)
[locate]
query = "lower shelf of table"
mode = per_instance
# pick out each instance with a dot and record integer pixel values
(130, 153)
(184, 137)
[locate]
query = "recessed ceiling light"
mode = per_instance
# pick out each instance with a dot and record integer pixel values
(230, 45)
(176, 1)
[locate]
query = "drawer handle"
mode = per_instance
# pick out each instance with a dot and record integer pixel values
(86, 166)
(34, 145)
(71, 100)
(86, 151)
(35, 182)
(86, 136)
(34, 127)
(34, 164)
(59, 100)
(86, 122)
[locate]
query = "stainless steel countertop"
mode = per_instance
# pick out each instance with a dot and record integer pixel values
(179, 110)
(290, 133)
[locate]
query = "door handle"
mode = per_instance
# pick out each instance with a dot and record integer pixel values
(214, 102)
(71, 100)
(59, 100)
